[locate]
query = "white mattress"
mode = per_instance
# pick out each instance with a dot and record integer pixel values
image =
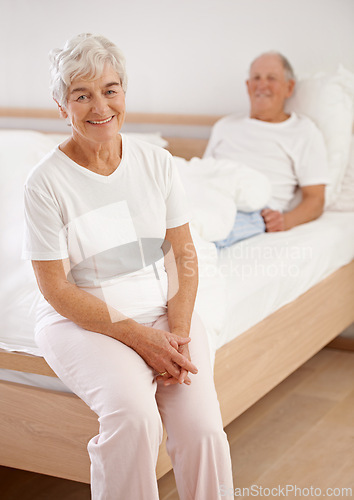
(239, 286)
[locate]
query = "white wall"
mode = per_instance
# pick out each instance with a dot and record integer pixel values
(184, 56)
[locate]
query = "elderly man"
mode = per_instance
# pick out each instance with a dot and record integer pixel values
(287, 148)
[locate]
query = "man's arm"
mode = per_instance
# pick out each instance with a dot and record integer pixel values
(310, 208)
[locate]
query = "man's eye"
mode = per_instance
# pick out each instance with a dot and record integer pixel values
(82, 98)
(111, 93)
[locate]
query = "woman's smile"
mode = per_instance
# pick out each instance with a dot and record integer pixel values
(101, 122)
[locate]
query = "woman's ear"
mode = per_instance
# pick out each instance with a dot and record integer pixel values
(62, 111)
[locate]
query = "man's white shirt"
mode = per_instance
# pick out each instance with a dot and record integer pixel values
(291, 153)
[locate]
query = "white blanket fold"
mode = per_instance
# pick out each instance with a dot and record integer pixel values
(216, 189)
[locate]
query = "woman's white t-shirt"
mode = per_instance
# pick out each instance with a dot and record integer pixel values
(111, 228)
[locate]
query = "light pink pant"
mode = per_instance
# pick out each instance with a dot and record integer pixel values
(120, 387)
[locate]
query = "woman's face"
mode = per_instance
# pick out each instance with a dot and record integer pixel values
(96, 108)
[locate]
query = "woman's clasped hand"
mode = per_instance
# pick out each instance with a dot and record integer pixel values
(168, 354)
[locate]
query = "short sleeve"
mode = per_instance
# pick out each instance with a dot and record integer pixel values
(312, 167)
(44, 232)
(177, 207)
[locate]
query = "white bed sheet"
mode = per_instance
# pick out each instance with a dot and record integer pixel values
(255, 277)
(241, 285)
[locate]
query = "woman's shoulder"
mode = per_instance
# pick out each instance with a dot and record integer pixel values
(146, 144)
(146, 160)
(43, 170)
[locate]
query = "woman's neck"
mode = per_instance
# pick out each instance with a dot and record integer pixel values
(102, 158)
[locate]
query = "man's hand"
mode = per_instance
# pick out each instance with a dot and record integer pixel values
(310, 208)
(274, 220)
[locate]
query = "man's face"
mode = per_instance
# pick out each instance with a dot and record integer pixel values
(268, 89)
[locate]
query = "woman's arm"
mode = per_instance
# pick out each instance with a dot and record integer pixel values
(182, 269)
(91, 313)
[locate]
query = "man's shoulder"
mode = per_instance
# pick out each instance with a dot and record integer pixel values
(232, 120)
(306, 130)
(303, 122)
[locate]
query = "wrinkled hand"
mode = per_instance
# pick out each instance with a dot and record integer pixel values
(183, 377)
(165, 352)
(274, 220)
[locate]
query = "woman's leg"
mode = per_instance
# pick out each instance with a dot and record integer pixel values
(196, 441)
(119, 386)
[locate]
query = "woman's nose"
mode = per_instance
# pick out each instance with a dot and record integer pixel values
(99, 105)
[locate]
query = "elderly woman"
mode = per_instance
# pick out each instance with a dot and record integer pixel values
(107, 232)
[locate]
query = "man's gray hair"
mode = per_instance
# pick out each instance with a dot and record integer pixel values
(288, 69)
(85, 55)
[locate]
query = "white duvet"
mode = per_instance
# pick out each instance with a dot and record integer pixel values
(217, 189)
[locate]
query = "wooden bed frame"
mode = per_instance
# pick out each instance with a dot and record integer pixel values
(47, 431)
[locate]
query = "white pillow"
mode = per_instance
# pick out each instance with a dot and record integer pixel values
(155, 138)
(20, 150)
(345, 200)
(329, 101)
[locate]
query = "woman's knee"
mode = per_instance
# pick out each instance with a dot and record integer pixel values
(200, 431)
(203, 441)
(208, 430)
(131, 416)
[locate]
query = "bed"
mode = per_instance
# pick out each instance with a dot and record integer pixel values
(269, 303)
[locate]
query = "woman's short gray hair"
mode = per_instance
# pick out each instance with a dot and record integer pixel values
(289, 72)
(84, 55)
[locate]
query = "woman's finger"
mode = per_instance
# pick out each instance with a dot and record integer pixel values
(180, 340)
(182, 376)
(172, 380)
(174, 344)
(183, 362)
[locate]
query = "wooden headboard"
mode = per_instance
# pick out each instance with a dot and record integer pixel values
(187, 135)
